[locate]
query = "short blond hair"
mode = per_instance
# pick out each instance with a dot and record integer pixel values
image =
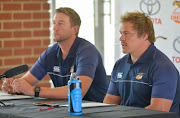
(141, 23)
(73, 15)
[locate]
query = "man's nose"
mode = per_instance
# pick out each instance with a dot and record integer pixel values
(55, 27)
(122, 38)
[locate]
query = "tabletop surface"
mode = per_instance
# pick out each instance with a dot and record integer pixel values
(24, 108)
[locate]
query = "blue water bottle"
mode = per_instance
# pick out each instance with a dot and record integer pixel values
(74, 95)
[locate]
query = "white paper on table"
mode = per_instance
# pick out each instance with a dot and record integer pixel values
(91, 104)
(5, 96)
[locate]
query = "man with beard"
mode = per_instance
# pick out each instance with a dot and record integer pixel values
(70, 51)
(144, 77)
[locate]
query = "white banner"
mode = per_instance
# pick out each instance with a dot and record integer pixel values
(165, 16)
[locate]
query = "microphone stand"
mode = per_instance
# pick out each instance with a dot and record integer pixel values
(3, 103)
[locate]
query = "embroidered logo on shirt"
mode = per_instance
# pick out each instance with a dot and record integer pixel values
(140, 75)
(56, 69)
(119, 75)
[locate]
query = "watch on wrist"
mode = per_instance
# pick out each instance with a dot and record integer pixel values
(36, 90)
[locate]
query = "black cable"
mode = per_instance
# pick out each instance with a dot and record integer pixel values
(2, 103)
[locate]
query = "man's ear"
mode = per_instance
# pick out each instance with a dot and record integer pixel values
(75, 29)
(145, 36)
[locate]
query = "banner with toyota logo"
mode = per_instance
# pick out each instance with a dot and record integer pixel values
(165, 15)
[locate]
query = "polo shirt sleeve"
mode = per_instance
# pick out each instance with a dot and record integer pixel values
(113, 90)
(87, 61)
(165, 79)
(38, 69)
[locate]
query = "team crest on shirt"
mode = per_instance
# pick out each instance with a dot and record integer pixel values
(56, 69)
(119, 75)
(139, 75)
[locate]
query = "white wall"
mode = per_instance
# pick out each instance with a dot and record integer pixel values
(85, 9)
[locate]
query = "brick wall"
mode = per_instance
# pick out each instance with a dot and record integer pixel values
(24, 33)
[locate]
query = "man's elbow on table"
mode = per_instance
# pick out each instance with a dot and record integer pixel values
(160, 104)
(112, 99)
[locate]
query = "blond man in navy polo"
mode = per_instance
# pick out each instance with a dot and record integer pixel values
(145, 77)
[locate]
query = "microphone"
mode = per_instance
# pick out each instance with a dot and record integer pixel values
(14, 71)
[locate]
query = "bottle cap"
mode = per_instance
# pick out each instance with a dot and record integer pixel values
(73, 76)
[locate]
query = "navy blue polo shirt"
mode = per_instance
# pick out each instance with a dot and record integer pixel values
(87, 60)
(153, 75)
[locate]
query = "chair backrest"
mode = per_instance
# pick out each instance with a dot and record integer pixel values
(179, 109)
(109, 78)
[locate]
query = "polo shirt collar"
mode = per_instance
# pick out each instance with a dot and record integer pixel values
(148, 54)
(129, 59)
(145, 57)
(72, 51)
(74, 47)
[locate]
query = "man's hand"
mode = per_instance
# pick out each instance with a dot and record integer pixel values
(7, 86)
(22, 86)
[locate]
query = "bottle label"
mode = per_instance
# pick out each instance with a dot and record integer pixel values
(74, 97)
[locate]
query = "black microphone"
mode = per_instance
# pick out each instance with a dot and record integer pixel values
(14, 71)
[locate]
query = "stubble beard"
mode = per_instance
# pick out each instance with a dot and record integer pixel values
(60, 40)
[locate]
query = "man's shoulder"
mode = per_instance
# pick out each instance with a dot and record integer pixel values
(52, 48)
(160, 57)
(86, 46)
(123, 59)
(85, 43)
(121, 62)
(161, 61)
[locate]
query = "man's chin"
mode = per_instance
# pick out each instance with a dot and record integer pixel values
(124, 51)
(56, 40)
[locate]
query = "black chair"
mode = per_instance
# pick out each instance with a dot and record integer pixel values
(109, 78)
(179, 109)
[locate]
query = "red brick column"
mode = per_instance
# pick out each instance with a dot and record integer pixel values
(24, 33)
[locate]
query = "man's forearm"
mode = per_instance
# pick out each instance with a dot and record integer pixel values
(160, 104)
(54, 93)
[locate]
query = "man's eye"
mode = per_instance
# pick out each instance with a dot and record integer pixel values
(126, 34)
(61, 23)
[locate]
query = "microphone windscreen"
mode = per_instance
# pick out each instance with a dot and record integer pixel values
(15, 71)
